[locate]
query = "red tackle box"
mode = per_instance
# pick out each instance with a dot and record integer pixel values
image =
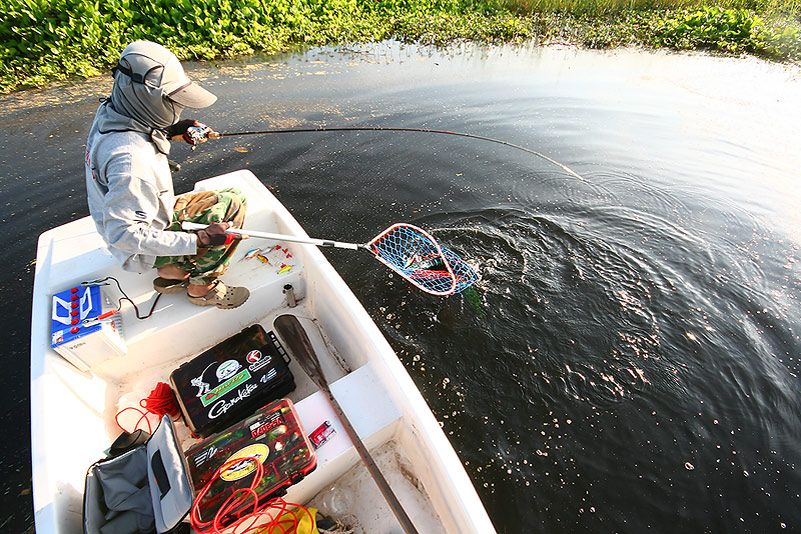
(274, 436)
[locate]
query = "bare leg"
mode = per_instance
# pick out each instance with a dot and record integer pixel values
(194, 290)
(171, 272)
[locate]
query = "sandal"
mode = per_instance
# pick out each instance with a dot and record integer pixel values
(167, 287)
(222, 296)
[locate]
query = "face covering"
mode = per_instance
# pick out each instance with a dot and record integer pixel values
(139, 107)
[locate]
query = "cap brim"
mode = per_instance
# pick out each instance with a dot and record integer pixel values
(192, 96)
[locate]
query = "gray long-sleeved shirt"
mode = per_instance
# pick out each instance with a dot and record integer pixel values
(130, 195)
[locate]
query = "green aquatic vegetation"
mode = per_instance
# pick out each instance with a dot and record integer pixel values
(596, 7)
(711, 27)
(779, 40)
(730, 30)
(41, 40)
(45, 40)
(473, 299)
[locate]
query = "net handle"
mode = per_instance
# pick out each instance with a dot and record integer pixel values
(186, 225)
(277, 237)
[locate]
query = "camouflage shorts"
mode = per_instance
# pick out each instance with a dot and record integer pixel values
(206, 207)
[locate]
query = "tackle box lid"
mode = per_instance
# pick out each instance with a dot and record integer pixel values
(232, 380)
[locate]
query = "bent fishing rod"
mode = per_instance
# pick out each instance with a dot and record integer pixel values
(203, 132)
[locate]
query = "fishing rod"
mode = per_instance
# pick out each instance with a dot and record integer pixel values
(198, 133)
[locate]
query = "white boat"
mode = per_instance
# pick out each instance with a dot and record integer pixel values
(73, 411)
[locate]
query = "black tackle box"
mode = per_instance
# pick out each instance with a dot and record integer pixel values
(232, 380)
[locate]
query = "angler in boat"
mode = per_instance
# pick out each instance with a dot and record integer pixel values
(129, 185)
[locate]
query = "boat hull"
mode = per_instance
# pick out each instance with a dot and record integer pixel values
(72, 412)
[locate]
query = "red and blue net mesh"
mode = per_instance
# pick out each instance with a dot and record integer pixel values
(416, 256)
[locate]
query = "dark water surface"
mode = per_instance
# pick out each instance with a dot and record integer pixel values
(629, 361)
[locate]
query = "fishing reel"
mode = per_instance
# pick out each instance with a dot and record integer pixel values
(197, 134)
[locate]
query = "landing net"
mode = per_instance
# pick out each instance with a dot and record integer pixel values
(416, 256)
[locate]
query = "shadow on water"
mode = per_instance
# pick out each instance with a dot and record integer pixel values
(628, 360)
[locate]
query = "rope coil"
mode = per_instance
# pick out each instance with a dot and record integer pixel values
(275, 516)
(161, 401)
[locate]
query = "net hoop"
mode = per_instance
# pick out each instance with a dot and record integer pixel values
(401, 244)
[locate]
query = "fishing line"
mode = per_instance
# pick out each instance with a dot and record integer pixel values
(401, 129)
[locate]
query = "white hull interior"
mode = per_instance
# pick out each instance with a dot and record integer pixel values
(73, 413)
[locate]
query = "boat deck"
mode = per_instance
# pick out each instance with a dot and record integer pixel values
(378, 426)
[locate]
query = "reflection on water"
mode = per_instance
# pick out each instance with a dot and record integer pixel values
(629, 359)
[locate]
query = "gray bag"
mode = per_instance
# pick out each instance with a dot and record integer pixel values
(144, 490)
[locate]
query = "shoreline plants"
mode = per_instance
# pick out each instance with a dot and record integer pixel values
(46, 40)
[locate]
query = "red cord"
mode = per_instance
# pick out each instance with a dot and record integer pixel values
(143, 417)
(272, 511)
(161, 401)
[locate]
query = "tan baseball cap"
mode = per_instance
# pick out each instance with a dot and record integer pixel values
(154, 65)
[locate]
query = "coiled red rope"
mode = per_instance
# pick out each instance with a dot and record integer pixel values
(161, 401)
(274, 517)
